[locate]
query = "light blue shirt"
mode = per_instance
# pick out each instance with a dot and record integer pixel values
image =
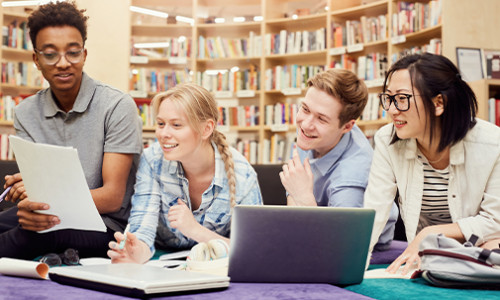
(341, 175)
(161, 182)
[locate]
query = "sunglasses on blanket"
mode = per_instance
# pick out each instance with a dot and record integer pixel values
(69, 257)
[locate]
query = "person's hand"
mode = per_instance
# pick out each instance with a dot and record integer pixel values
(17, 192)
(132, 252)
(491, 244)
(30, 220)
(181, 218)
(409, 257)
(298, 180)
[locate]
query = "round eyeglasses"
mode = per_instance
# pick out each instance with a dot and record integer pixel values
(401, 101)
(52, 57)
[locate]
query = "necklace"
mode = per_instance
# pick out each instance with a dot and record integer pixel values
(434, 161)
(437, 160)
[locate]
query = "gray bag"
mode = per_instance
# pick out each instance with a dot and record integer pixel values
(448, 263)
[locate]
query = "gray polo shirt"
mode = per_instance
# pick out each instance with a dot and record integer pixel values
(103, 119)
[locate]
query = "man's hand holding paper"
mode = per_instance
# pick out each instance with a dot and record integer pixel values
(59, 197)
(31, 220)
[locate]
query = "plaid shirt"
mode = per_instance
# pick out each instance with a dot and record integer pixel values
(161, 182)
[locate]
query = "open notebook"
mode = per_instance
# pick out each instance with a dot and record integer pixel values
(135, 280)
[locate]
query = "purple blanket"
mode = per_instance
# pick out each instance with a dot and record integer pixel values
(24, 288)
(388, 256)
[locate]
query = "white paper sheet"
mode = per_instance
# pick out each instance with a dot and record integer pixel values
(24, 268)
(54, 175)
(382, 273)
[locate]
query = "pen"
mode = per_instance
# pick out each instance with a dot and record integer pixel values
(122, 243)
(2, 196)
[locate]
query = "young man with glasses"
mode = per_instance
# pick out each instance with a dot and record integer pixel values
(333, 158)
(76, 110)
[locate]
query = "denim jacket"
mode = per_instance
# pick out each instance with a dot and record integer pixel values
(474, 185)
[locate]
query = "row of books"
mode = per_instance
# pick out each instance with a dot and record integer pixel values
(494, 110)
(286, 42)
(175, 47)
(21, 73)
(220, 47)
(153, 81)
(7, 105)
(278, 149)
(371, 66)
(249, 149)
(373, 110)
(290, 76)
(280, 113)
(5, 149)
(247, 115)
(16, 35)
(435, 46)
(366, 30)
(230, 80)
(415, 16)
(145, 111)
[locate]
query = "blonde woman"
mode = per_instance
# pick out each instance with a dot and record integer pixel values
(188, 181)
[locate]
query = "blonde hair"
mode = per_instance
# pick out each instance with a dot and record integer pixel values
(199, 106)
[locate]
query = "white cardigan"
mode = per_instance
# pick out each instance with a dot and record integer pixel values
(474, 185)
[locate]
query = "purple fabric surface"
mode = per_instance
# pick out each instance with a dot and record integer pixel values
(23, 288)
(389, 255)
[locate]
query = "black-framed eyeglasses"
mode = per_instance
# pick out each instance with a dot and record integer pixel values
(53, 57)
(70, 257)
(401, 101)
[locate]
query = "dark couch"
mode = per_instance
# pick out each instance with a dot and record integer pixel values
(273, 192)
(7, 167)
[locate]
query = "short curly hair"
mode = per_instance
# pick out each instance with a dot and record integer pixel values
(57, 14)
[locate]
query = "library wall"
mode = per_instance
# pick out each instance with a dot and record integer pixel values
(108, 41)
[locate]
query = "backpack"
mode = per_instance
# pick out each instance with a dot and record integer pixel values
(448, 263)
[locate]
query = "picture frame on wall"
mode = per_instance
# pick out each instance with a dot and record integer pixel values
(491, 63)
(470, 63)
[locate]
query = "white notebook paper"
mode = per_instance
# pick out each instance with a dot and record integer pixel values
(54, 175)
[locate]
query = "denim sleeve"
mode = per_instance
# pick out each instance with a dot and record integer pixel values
(251, 191)
(146, 204)
(346, 196)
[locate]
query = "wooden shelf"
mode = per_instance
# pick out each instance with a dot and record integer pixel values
(453, 31)
(373, 8)
(167, 30)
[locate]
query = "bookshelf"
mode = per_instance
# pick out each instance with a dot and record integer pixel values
(484, 90)
(19, 77)
(458, 27)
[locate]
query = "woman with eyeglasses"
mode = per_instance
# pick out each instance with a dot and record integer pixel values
(187, 182)
(442, 162)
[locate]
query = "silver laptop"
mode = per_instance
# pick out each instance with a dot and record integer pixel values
(299, 244)
(135, 279)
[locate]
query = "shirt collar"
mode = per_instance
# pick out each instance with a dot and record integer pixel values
(457, 152)
(324, 163)
(85, 94)
(220, 171)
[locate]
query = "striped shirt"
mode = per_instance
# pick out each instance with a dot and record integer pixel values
(434, 208)
(161, 182)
